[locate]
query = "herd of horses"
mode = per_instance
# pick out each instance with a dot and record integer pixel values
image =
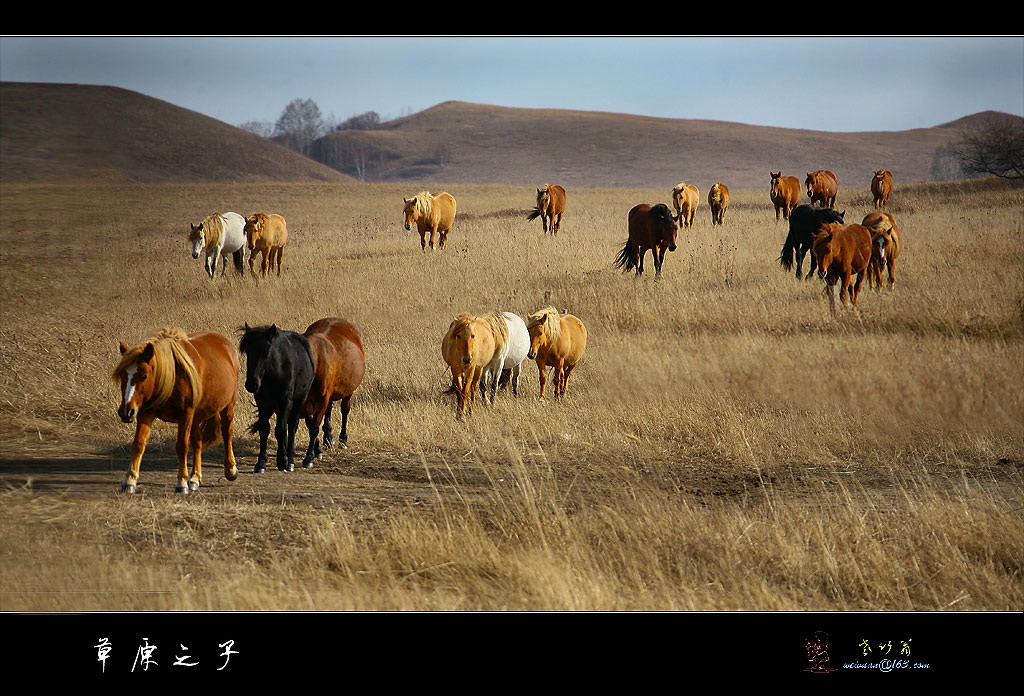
(229, 234)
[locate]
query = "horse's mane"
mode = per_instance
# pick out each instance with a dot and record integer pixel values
(424, 203)
(553, 325)
(169, 353)
(214, 226)
(259, 219)
(499, 327)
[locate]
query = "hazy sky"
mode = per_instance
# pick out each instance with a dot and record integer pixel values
(837, 83)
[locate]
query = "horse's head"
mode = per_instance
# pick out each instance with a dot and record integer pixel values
(197, 235)
(809, 183)
(665, 225)
(538, 335)
(409, 212)
(464, 336)
(774, 185)
(256, 344)
(253, 228)
(137, 379)
(823, 246)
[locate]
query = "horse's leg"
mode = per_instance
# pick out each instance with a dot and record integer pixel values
(281, 429)
(344, 407)
(565, 378)
(263, 427)
(280, 253)
(313, 422)
(856, 286)
(423, 238)
(326, 426)
(558, 223)
(813, 263)
(210, 264)
(265, 265)
(464, 384)
(196, 478)
(514, 378)
(660, 260)
(252, 258)
(433, 235)
(892, 274)
(181, 448)
(478, 373)
(444, 239)
(542, 369)
(142, 429)
(227, 425)
(641, 252)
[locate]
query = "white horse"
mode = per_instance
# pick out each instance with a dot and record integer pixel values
(509, 354)
(219, 235)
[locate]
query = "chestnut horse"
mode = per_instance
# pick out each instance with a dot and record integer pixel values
(267, 235)
(650, 227)
(556, 341)
(785, 194)
(550, 206)
(886, 245)
(718, 199)
(804, 223)
(822, 187)
(339, 364)
(468, 348)
(431, 213)
(189, 380)
(842, 250)
(685, 198)
(881, 187)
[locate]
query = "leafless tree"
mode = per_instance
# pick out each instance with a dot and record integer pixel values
(264, 129)
(299, 125)
(992, 146)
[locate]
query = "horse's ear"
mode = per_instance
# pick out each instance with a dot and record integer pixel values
(245, 324)
(273, 330)
(147, 353)
(123, 348)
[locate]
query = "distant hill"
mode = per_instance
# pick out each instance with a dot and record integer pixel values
(51, 132)
(56, 132)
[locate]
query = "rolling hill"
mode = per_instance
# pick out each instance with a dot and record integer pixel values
(59, 132)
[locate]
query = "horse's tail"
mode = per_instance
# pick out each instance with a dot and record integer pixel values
(535, 214)
(254, 428)
(627, 259)
(239, 259)
(788, 255)
(211, 431)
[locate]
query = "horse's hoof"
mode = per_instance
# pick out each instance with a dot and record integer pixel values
(232, 475)
(260, 469)
(181, 488)
(328, 442)
(193, 486)
(128, 488)
(307, 464)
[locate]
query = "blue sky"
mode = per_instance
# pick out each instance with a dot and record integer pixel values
(818, 83)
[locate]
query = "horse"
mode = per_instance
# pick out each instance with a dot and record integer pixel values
(685, 198)
(219, 235)
(557, 341)
(468, 349)
(266, 234)
(550, 206)
(886, 245)
(279, 373)
(881, 187)
(718, 199)
(339, 364)
(842, 250)
(785, 194)
(434, 213)
(650, 227)
(511, 344)
(822, 187)
(804, 223)
(190, 380)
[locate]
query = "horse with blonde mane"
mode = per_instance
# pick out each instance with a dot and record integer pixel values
(190, 380)
(718, 199)
(431, 213)
(219, 235)
(886, 245)
(556, 341)
(550, 206)
(468, 349)
(518, 347)
(266, 234)
(685, 199)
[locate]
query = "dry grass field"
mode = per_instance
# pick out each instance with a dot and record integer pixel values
(726, 444)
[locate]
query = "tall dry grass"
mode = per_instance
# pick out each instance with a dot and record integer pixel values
(726, 443)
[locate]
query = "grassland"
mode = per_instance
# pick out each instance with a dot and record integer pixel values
(726, 443)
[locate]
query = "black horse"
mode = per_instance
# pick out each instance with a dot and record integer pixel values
(804, 223)
(279, 372)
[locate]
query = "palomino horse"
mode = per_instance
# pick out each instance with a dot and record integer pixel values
(804, 223)
(842, 250)
(718, 199)
(339, 364)
(881, 187)
(267, 235)
(556, 341)
(468, 348)
(431, 213)
(651, 228)
(685, 198)
(785, 194)
(550, 206)
(189, 380)
(886, 245)
(822, 187)
(517, 348)
(219, 235)
(279, 372)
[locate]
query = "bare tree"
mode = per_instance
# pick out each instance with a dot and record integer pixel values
(264, 129)
(299, 125)
(365, 121)
(945, 166)
(992, 146)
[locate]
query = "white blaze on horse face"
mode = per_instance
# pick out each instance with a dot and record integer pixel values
(198, 245)
(129, 388)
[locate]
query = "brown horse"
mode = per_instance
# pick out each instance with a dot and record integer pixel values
(339, 364)
(550, 206)
(266, 234)
(718, 199)
(842, 250)
(685, 198)
(822, 187)
(881, 187)
(431, 213)
(468, 348)
(785, 194)
(886, 245)
(189, 380)
(650, 227)
(556, 341)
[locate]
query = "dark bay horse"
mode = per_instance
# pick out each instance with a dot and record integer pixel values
(191, 380)
(842, 251)
(650, 227)
(279, 372)
(804, 223)
(339, 364)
